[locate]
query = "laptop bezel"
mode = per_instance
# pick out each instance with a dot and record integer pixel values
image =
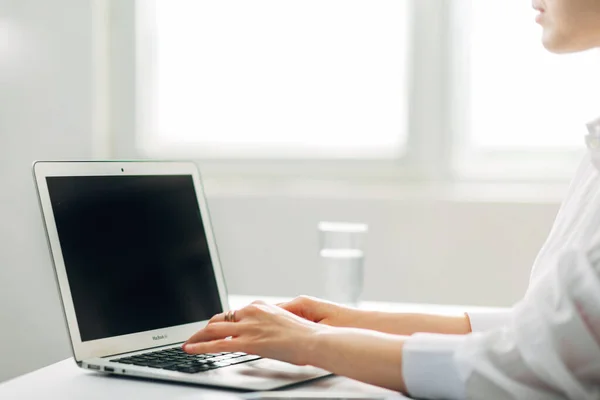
(135, 341)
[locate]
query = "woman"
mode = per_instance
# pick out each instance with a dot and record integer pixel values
(546, 347)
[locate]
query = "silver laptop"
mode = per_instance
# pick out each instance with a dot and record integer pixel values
(138, 272)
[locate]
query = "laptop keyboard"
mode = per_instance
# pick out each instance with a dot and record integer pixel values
(175, 359)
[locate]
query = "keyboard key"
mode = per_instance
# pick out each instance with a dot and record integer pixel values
(188, 370)
(185, 364)
(162, 365)
(191, 370)
(175, 359)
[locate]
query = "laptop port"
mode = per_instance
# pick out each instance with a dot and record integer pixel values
(96, 367)
(109, 369)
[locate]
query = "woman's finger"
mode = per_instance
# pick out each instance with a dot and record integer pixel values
(286, 303)
(217, 318)
(221, 317)
(296, 306)
(297, 302)
(214, 331)
(214, 346)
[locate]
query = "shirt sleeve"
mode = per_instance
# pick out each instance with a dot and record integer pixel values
(549, 347)
(429, 369)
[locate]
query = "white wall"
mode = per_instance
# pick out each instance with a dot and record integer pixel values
(419, 249)
(434, 251)
(45, 113)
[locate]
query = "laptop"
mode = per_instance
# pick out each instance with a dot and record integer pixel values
(138, 272)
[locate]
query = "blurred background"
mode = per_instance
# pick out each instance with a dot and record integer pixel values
(443, 125)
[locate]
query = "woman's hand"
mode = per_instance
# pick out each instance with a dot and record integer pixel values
(321, 311)
(261, 329)
(327, 313)
(271, 331)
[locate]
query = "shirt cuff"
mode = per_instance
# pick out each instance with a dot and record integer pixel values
(429, 369)
(486, 320)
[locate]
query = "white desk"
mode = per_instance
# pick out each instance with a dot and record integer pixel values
(65, 381)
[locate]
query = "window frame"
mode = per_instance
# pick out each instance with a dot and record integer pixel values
(422, 159)
(500, 165)
(438, 107)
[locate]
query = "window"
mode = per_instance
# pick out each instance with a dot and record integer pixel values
(522, 96)
(280, 79)
(426, 89)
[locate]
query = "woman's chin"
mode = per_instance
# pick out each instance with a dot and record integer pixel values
(560, 44)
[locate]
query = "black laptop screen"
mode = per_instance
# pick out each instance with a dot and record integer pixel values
(135, 252)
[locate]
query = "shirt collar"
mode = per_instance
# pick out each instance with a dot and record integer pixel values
(594, 127)
(592, 139)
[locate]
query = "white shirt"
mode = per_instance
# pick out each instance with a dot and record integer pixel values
(548, 345)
